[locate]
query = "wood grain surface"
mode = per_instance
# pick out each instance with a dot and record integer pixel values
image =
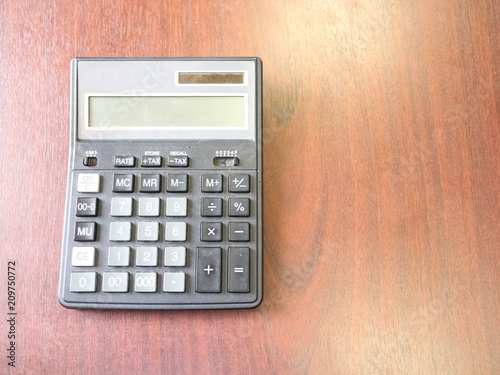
(382, 187)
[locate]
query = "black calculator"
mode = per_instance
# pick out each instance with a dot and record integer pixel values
(164, 195)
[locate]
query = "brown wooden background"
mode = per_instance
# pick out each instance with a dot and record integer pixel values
(382, 186)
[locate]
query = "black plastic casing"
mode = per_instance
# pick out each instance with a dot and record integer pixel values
(202, 153)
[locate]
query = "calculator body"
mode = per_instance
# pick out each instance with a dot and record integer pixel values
(164, 193)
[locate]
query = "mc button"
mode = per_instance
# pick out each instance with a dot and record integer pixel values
(123, 183)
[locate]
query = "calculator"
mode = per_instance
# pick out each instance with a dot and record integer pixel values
(164, 194)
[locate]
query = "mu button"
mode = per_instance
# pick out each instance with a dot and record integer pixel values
(85, 231)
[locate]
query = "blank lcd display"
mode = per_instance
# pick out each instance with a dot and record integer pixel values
(166, 111)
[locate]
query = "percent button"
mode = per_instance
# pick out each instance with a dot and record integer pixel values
(239, 207)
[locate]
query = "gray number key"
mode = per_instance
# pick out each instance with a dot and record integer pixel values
(82, 282)
(115, 282)
(120, 231)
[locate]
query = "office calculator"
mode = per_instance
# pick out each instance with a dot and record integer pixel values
(164, 194)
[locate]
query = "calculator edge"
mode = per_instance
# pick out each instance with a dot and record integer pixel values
(164, 307)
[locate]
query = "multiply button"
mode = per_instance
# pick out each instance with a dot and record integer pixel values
(211, 232)
(208, 269)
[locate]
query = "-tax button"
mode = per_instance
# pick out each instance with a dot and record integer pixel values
(88, 183)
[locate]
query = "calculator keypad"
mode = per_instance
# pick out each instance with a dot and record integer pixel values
(168, 237)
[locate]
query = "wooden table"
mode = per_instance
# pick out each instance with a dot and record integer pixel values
(382, 187)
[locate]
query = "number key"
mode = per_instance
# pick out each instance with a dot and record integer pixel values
(149, 206)
(147, 256)
(176, 206)
(120, 231)
(175, 231)
(175, 256)
(121, 206)
(115, 282)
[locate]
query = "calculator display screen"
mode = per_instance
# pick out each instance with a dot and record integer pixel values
(166, 111)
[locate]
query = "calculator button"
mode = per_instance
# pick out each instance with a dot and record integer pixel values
(177, 183)
(87, 207)
(239, 232)
(211, 232)
(119, 256)
(211, 183)
(178, 161)
(238, 273)
(151, 161)
(123, 183)
(124, 161)
(120, 231)
(208, 270)
(146, 256)
(176, 207)
(148, 231)
(149, 206)
(175, 256)
(174, 282)
(145, 282)
(239, 207)
(175, 231)
(88, 183)
(239, 183)
(150, 183)
(211, 207)
(83, 256)
(85, 231)
(82, 282)
(115, 282)
(121, 206)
